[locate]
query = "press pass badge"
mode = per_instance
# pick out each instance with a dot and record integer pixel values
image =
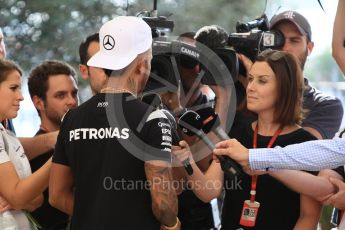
(249, 213)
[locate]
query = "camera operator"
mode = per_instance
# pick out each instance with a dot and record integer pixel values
(324, 112)
(189, 71)
(215, 37)
(212, 37)
(193, 213)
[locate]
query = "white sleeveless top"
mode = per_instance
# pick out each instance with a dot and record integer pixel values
(12, 150)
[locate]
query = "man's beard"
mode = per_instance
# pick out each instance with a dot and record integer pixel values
(303, 59)
(53, 117)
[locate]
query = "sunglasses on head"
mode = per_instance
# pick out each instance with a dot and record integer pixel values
(275, 56)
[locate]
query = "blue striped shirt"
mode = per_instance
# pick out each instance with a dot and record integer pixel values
(311, 155)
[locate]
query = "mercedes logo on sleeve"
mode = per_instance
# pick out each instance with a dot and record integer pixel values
(108, 42)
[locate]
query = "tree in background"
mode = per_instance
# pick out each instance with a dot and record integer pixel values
(40, 29)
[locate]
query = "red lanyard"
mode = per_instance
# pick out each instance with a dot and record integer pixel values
(255, 140)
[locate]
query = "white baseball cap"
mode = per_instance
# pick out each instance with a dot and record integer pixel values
(121, 40)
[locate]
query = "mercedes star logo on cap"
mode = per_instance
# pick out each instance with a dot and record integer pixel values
(108, 42)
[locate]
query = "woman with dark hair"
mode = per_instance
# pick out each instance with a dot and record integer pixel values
(20, 189)
(274, 95)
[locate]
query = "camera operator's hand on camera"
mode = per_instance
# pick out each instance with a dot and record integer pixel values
(247, 63)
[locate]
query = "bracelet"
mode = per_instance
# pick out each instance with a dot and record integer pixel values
(173, 227)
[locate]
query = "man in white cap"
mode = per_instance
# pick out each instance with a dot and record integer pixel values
(112, 159)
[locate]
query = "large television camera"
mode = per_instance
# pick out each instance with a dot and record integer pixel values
(253, 37)
(167, 55)
(250, 39)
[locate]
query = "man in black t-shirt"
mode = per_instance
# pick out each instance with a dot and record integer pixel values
(53, 90)
(324, 112)
(193, 213)
(94, 75)
(111, 166)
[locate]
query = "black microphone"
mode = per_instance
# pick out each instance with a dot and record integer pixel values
(155, 101)
(211, 122)
(191, 123)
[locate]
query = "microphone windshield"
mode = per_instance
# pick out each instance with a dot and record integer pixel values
(210, 119)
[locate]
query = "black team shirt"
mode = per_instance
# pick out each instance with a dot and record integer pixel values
(106, 142)
(46, 215)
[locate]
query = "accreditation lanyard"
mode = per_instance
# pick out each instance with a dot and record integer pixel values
(270, 143)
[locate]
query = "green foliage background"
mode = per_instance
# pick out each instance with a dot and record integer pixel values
(40, 29)
(37, 30)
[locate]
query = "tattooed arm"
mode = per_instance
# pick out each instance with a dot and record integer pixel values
(164, 199)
